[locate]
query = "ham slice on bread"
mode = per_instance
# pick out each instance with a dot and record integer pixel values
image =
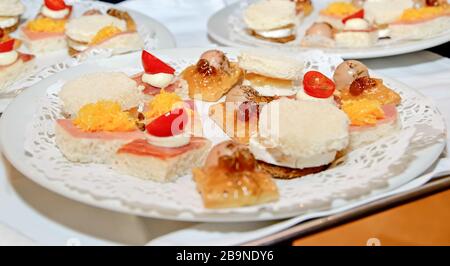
(90, 147)
(141, 159)
(364, 135)
(12, 72)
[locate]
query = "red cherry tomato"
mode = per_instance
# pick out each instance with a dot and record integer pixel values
(169, 124)
(55, 4)
(153, 65)
(7, 46)
(359, 14)
(318, 85)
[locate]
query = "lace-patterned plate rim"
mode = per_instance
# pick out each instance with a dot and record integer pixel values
(132, 199)
(155, 35)
(227, 28)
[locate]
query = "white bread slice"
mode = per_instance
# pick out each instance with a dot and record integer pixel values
(270, 14)
(84, 28)
(420, 30)
(162, 170)
(356, 39)
(271, 65)
(8, 75)
(370, 135)
(90, 88)
(385, 11)
(122, 43)
(88, 150)
(317, 41)
(11, 8)
(45, 45)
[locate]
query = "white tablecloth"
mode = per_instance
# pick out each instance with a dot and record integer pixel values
(31, 214)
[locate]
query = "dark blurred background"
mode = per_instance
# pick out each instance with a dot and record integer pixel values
(443, 50)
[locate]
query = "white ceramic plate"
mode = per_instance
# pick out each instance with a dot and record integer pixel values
(222, 30)
(156, 36)
(29, 121)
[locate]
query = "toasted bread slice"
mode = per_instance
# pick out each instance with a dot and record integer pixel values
(281, 172)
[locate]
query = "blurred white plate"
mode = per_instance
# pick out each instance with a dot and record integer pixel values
(226, 27)
(155, 35)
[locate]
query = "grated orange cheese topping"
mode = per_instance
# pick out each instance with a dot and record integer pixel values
(105, 33)
(104, 116)
(363, 112)
(46, 25)
(342, 9)
(413, 14)
(163, 103)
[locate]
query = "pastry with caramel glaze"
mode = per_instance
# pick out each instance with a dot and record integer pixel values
(238, 115)
(370, 89)
(231, 179)
(212, 77)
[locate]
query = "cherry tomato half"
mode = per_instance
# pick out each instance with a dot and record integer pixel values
(55, 4)
(153, 65)
(169, 124)
(318, 85)
(359, 14)
(7, 46)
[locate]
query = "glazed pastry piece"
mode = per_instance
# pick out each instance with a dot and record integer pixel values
(13, 64)
(115, 30)
(10, 12)
(231, 179)
(272, 20)
(303, 7)
(421, 23)
(370, 89)
(238, 115)
(45, 33)
(212, 77)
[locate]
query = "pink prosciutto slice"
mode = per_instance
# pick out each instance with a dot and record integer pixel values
(24, 57)
(390, 116)
(69, 127)
(141, 147)
(150, 90)
(38, 35)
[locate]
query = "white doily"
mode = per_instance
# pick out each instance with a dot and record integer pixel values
(364, 170)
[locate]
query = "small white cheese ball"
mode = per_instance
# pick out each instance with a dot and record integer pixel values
(8, 58)
(160, 80)
(356, 24)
